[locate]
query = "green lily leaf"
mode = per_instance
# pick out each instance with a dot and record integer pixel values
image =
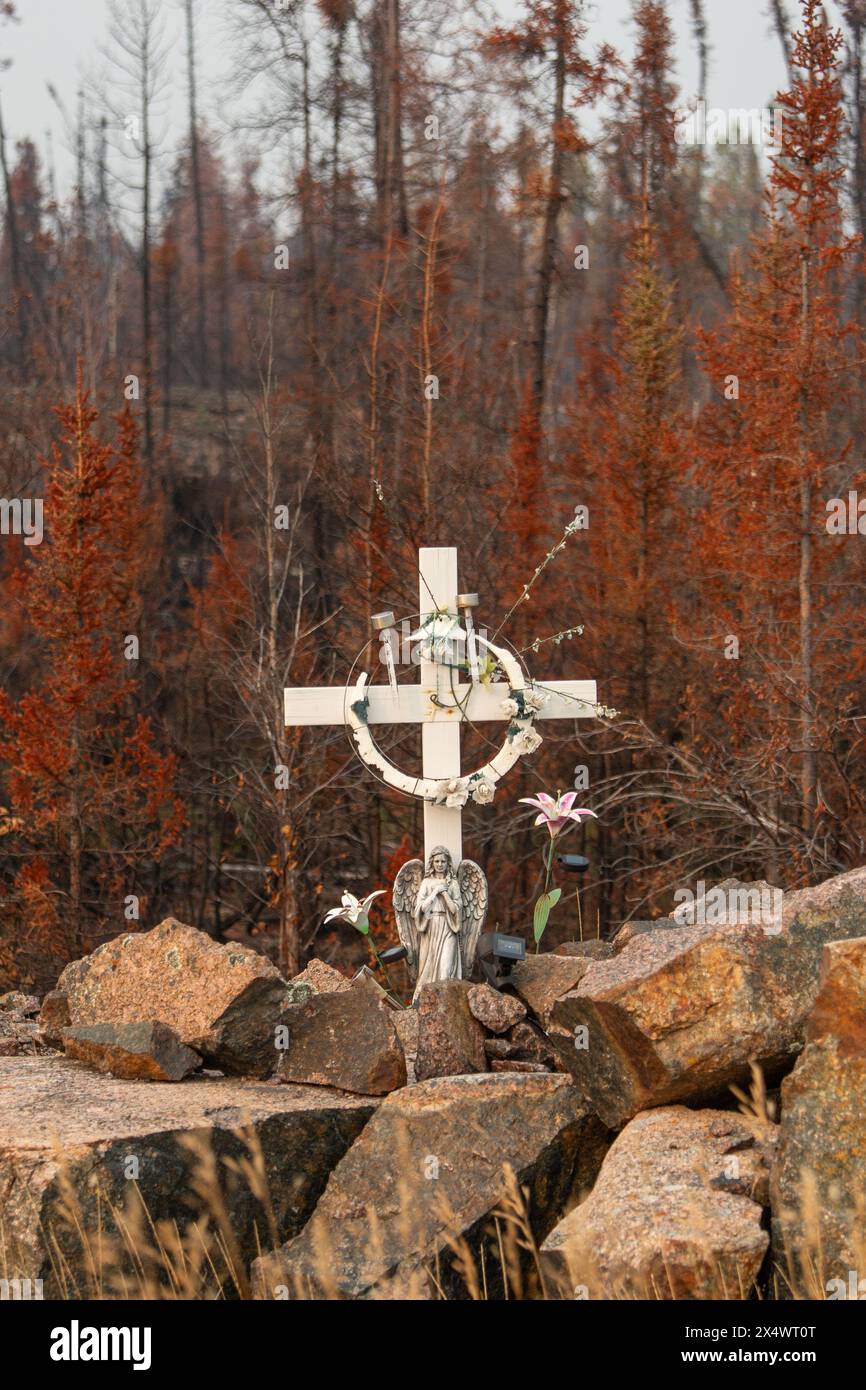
(542, 911)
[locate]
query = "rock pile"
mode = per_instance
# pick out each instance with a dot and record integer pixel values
(588, 1107)
(423, 1178)
(19, 1030)
(676, 1212)
(465, 1028)
(819, 1178)
(224, 1002)
(76, 1147)
(680, 1014)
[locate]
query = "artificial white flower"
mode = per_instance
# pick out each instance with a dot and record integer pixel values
(535, 699)
(527, 741)
(510, 707)
(438, 625)
(454, 793)
(483, 792)
(354, 911)
(557, 812)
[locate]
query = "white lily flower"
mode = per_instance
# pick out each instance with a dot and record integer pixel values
(353, 910)
(438, 625)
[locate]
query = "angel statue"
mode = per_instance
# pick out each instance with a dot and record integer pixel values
(440, 914)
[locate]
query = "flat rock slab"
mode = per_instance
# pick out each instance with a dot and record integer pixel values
(429, 1166)
(134, 1051)
(841, 893)
(680, 1015)
(512, 1064)
(819, 1174)
(676, 1213)
(109, 1136)
(223, 1001)
(593, 949)
(733, 902)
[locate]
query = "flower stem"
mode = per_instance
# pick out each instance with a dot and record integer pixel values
(548, 865)
(383, 967)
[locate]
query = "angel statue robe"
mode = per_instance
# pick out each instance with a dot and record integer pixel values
(438, 911)
(439, 914)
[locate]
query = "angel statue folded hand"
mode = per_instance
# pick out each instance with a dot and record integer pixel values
(439, 916)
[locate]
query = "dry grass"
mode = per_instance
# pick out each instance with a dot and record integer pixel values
(98, 1249)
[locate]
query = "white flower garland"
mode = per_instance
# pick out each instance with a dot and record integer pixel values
(522, 705)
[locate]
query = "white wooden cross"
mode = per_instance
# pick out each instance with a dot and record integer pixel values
(440, 723)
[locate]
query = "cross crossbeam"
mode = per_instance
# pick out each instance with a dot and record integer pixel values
(438, 704)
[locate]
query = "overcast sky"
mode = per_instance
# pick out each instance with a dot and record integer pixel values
(56, 40)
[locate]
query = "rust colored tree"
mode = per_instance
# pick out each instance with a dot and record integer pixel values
(775, 449)
(91, 794)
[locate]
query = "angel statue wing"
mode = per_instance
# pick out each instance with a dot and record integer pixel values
(473, 895)
(404, 898)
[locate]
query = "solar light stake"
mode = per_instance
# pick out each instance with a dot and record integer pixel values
(384, 623)
(497, 952)
(465, 605)
(393, 953)
(573, 863)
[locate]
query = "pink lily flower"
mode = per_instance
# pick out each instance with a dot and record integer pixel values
(558, 812)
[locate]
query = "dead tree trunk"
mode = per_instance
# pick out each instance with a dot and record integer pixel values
(553, 201)
(198, 201)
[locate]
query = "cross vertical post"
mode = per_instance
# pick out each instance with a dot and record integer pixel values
(438, 703)
(440, 743)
